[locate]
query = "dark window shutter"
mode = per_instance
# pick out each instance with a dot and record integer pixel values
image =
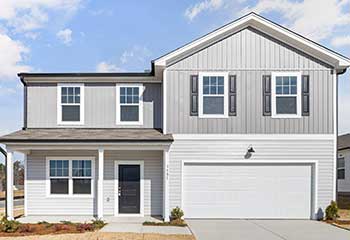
(232, 96)
(266, 83)
(305, 94)
(194, 95)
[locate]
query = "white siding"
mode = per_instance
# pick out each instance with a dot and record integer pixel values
(265, 149)
(40, 204)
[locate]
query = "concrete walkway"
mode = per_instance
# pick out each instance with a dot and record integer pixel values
(266, 230)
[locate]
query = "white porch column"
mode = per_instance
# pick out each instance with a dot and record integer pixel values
(166, 213)
(9, 185)
(100, 183)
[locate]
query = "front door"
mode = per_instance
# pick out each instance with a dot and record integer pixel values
(129, 189)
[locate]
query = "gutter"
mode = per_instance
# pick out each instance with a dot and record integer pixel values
(25, 107)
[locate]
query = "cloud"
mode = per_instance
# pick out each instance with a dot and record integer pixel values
(198, 8)
(29, 15)
(107, 67)
(65, 36)
(344, 113)
(11, 57)
(135, 54)
(313, 18)
(5, 91)
(341, 41)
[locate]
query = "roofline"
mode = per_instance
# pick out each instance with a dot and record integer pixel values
(82, 140)
(126, 74)
(343, 148)
(253, 14)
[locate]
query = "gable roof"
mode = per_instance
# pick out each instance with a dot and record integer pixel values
(344, 142)
(268, 27)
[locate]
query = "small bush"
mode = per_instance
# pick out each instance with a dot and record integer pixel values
(177, 213)
(332, 211)
(98, 223)
(25, 228)
(9, 225)
(43, 222)
(83, 227)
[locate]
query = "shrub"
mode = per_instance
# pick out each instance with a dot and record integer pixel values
(25, 228)
(43, 222)
(83, 227)
(98, 223)
(177, 213)
(332, 211)
(9, 225)
(67, 222)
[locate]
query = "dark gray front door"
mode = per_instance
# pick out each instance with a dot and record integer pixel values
(129, 189)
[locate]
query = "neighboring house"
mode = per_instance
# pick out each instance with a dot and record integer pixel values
(240, 123)
(343, 169)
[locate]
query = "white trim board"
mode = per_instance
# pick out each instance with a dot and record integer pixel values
(266, 26)
(238, 137)
(313, 163)
(116, 185)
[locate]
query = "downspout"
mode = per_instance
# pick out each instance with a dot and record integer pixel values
(3, 151)
(24, 102)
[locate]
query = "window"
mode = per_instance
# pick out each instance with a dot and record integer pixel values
(70, 104)
(81, 177)
(286, 95)
(70, 176)
(213, 99)
(59, 176)
(129, 104)
(341, 168)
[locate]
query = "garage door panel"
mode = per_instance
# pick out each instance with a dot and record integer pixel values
(247, 191)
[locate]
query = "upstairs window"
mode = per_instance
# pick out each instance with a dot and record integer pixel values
(286, 95)
(213, 95)
(341, 168)
(70, 104)
(129, 104)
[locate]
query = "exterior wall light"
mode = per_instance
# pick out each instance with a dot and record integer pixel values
(249, 152)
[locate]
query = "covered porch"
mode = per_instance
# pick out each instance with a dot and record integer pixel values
(85, 173)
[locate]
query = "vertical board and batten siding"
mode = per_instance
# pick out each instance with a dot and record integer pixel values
(265, 149)
(249, 54)
(40, 204)
(100, 106)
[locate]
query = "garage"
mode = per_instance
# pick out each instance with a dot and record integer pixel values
(247, 190)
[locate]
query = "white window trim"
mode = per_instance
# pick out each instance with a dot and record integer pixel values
(341, 168)
(274, 95)
(70, 178)
(59, 104)
(116, 185)
(118, 115)
(200, 94)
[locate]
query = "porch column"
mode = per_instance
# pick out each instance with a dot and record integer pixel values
(100, 183)
(9, 185)
(166, 213)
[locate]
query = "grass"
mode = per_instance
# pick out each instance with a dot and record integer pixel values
(175, 223)
(344, 214)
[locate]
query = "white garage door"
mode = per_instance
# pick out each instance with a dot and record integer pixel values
(247, 190)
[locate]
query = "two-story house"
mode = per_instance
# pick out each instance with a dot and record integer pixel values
(240, 123)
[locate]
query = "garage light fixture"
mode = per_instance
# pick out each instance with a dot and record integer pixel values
(249, 152)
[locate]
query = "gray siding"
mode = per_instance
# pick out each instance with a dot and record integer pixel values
(40, 204)
(344, 184)
(249, 54)
(100, 106)
(230, 150)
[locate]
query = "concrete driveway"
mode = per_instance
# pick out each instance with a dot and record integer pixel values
(265, 230)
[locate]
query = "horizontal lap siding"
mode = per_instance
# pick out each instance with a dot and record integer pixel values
(279, 150)
(39, 203)
(249, 55)
(100, 106)
(153, 181)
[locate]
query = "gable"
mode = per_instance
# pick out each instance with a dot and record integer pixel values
(274, 30)
(248, 49)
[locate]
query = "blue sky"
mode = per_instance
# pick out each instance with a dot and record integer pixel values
(110, 35)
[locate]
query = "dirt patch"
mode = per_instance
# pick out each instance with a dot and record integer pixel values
(106, 236)
(344, 214)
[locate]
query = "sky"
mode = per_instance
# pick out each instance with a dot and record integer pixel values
(119, 36)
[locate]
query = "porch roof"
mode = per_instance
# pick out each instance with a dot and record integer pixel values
(86, 135)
